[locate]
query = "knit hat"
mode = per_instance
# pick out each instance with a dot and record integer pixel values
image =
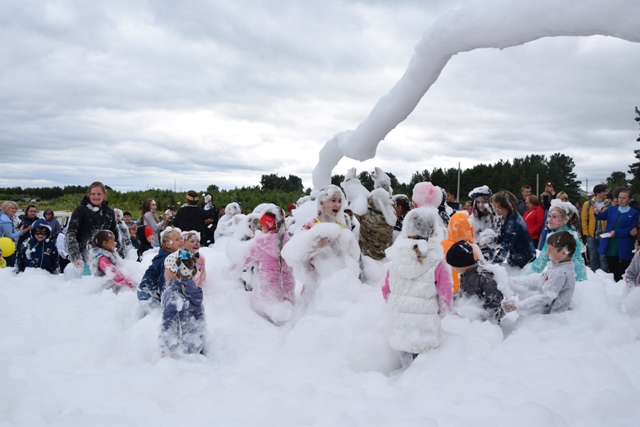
(420, 223)
(426, 194)
(268, 222)
(173, 262)
(460, 255)
(483, 191)
(148, 231)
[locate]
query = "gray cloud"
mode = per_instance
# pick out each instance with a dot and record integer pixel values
(200, 92)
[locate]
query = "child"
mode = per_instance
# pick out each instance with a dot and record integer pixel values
(474, 280)
(61, 245)
(552, 291)
(459, 228)
(323, 245)
(183, 329)
(486, 223)
(153, 282)
(632, 275)
(563, 216)
(104, 260)
(38, 251)
(273, 282)
(145, 236)
(426, 195)
(419, 285)
(124, 239)
(192, 244)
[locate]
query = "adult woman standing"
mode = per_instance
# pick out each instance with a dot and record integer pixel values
(53, 223)
(92, 215)
(534, 218)
(515, 244)
(8, 229)
(148, 217)
(622, 223)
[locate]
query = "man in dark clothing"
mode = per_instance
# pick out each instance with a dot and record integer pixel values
(522, 205)
(451, 201)
(192, 217)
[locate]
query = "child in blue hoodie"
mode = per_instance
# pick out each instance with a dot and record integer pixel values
(153, 282)
(38, 251)
(183, 329)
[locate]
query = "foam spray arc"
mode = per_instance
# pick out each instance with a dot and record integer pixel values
(489, 24)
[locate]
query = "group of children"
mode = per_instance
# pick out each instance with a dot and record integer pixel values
(424, 271)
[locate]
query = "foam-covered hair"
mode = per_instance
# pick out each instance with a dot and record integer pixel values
(425, 194)
(232, 209)
(567, 207)
(327, 192)
(420, 223)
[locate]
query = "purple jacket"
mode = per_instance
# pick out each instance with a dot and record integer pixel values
(264, 255)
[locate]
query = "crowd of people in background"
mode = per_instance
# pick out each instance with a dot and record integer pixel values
(435, 250)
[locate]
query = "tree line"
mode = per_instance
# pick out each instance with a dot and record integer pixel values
(509, 175)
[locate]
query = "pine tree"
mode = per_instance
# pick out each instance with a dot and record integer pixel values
(634, 168)
(562, 176)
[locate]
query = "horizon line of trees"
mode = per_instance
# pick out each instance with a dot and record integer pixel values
(509, 175)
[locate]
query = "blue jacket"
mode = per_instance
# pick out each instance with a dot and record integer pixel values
(183, 328)
(628, 221)
(7, 229)
(153, 282)
(35, 254)
(516, 245)
(543, 259)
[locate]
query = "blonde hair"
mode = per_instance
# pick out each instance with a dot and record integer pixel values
(562, 196)
(166, 236)
(6, 205)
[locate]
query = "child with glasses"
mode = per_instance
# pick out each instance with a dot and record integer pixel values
(39, 251)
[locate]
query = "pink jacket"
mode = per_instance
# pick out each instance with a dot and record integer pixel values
(264, 254)
(107, 267)
(444, 285)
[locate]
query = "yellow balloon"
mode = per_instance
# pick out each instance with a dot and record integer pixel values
(8, 247)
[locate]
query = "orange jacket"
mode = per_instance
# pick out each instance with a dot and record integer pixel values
(460, 228)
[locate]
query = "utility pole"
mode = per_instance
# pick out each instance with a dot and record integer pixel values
(458, 192)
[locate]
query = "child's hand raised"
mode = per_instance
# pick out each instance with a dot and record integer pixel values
(508, 305)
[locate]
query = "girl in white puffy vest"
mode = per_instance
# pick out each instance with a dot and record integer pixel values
(418, 285)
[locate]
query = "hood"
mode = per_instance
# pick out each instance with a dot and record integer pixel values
(460, 228)
(41, 223)
(86, 202)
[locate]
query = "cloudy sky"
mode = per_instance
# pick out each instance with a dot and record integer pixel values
(148, 94)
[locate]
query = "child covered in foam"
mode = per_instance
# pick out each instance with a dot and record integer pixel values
(552, 292)
(183, 329)
(324, 245)
(418, 286)
(273, 293)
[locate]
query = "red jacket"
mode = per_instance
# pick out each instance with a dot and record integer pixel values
(534, 218)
